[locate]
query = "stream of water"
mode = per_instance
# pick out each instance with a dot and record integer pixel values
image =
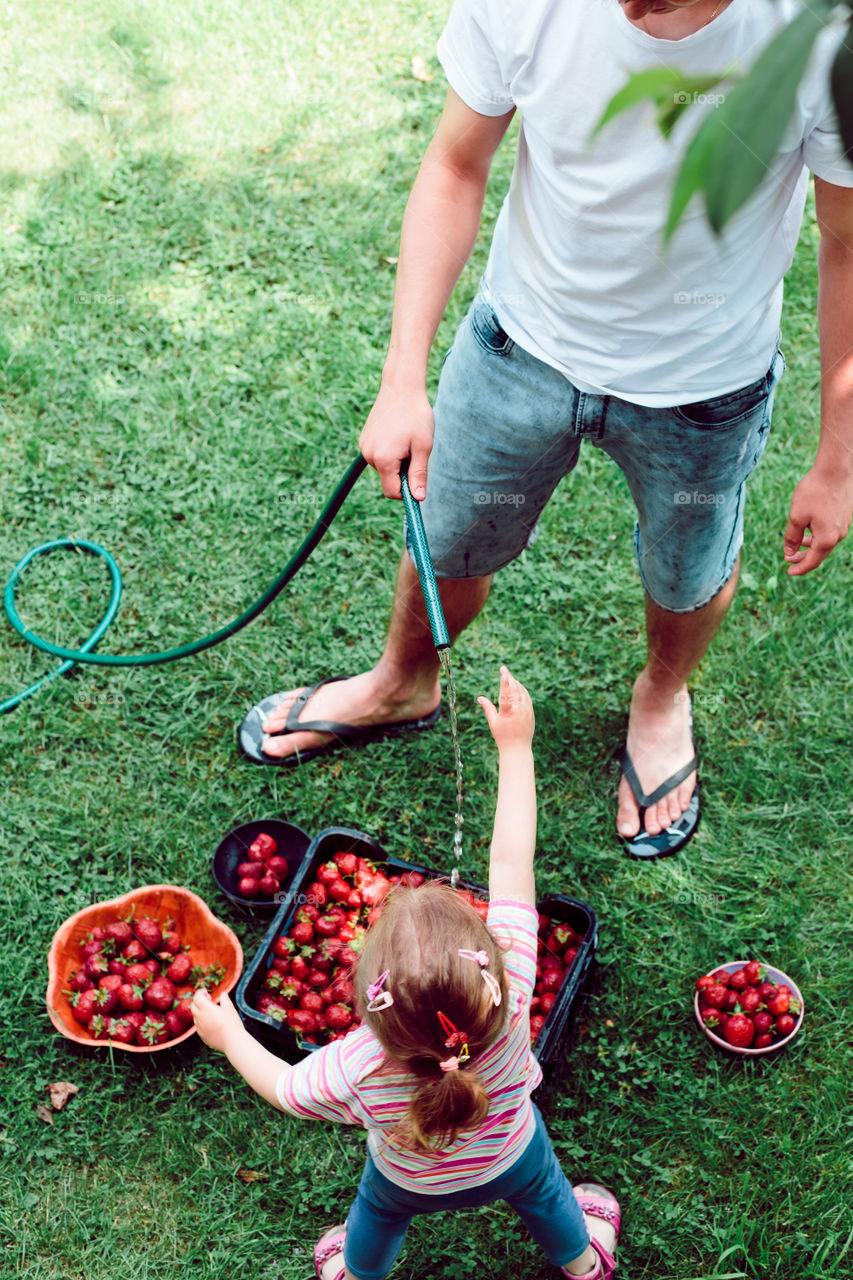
(447, 671)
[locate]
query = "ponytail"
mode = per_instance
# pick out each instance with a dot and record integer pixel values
(442, 1105)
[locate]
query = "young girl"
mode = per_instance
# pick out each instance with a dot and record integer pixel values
(440, 1073)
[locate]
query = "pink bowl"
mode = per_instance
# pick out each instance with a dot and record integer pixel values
(210, 942)
(772, 975)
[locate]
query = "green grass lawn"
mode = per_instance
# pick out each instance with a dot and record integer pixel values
(201, 206)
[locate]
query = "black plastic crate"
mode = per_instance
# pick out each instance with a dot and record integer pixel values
(559, 908)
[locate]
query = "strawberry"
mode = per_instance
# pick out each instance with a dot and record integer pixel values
(299, 968)
(552, 979)
(278, 867)
(722, 977)
(121, 1030)
(762, 1021)
(118, 965)
(179, 970)
(83, 1006)
(715, 995)
(754, 972)
(256, 854)
(537, 1022)
(110, 982)
(265, 843)
(731, 1001)
(311, 1000)
(338, 1017)
(104, 1001)
(98, 1025)
(175, 1024)
(326, 926)
(779, 1003)
(171, 943)
(704, 982)
(93, 947)
(266, 1004)
(249, 887)
(785, 1024)
(136, 1018)
(739, 1031)
(738, 980)
(269, 885)
(303, 932)
(153, 967)
(153, 1031)
(120, 932)
(160, 994)
(149, 933)
(341, 991)
(569, 955)
(711, 1017)
(139, 975)
(767, 990)
(762, 1041)
(346, 863)
(308, 912)
(302, 1020)
(327, 873)
(750, 1000)
(80, 980)
(184, 1010)
(97, 965)
(338, 890)
(284, 948)
(317, 978)
(547, 1002)
(375, 890)
(96, 934)
(129, 996)
(412, 879)
(134, 951)
(250, 870)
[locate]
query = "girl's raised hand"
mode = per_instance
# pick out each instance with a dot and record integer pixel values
(217, 1024)
(512, 721)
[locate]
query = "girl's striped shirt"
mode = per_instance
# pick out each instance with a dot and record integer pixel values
(338, 1082)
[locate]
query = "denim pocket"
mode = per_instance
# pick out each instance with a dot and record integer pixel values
(487, 330)
(725, 411)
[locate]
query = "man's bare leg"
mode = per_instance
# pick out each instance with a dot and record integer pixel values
(404, 684)
(659, 741)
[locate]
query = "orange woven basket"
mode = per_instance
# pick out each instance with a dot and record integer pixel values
(209, 940)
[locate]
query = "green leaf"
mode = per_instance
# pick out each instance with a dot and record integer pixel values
(669, 89)
(750, 124)
(841, 82)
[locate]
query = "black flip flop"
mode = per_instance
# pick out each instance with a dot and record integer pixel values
(251, 735)
(677, 834)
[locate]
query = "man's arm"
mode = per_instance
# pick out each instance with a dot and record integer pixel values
(514, 836)
(439, 230)
(823, 500)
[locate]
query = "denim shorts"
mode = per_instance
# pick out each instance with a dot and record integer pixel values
(535, 1186)
(509, 427)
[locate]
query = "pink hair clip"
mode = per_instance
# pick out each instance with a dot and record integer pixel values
(377, 998)
(482, 959)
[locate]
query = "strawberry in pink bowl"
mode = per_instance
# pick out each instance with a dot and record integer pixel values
(748, 1007)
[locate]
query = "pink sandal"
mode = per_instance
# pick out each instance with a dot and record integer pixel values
(326, 1248)
(598, 1202)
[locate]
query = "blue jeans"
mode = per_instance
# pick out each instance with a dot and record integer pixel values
(509, 427)
(535, 1186)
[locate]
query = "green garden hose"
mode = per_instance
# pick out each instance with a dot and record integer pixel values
(86, 654)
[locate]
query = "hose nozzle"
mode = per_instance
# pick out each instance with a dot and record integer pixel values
(423, 563)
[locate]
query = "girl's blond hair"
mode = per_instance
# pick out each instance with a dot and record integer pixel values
(418, 938)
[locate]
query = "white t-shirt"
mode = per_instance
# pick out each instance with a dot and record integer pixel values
(578, 272)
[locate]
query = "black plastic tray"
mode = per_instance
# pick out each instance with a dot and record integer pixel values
(557, 1026)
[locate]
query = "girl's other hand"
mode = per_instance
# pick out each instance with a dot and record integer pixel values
(217, 1024)
(512, 721)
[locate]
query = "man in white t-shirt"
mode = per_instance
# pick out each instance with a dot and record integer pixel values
(587, 326)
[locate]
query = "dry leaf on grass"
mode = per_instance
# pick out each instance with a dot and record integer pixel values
(419, 69)
(44, 1113)
(251, 1175)
(60, 1092)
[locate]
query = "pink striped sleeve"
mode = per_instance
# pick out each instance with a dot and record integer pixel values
(323, 1086)
(517, 923)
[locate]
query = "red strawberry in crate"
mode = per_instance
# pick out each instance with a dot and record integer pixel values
(265, 844)
(537, 1022)
(338, 1017)
(346, 863)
